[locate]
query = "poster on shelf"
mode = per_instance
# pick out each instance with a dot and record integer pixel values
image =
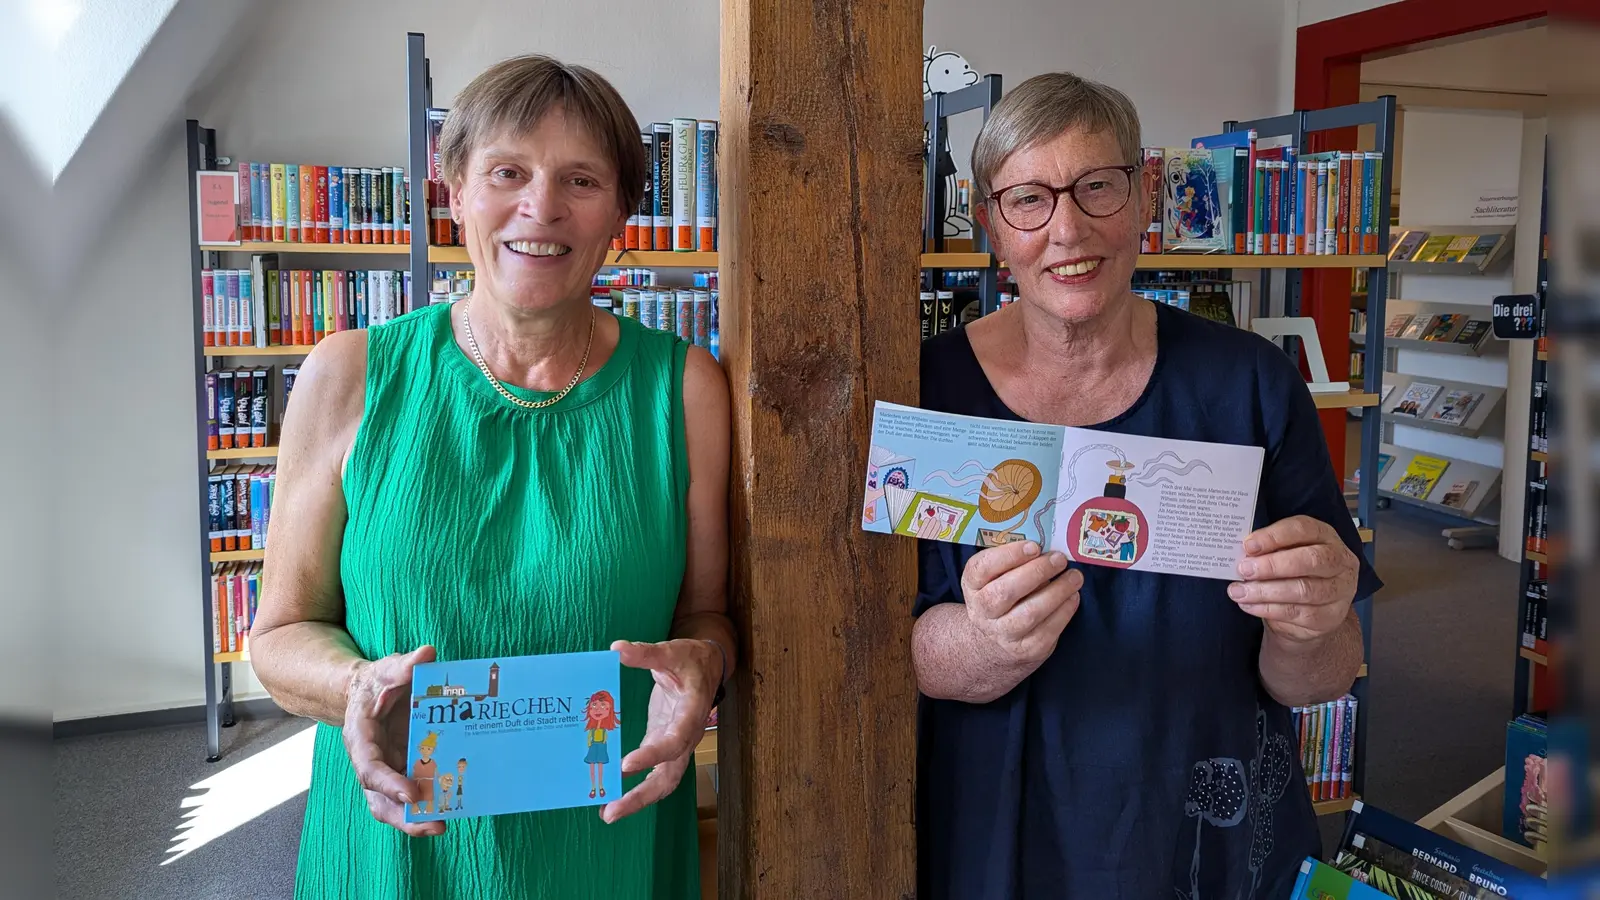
(1494, 207)
(217, 195)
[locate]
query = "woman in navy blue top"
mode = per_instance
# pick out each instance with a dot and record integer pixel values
(1094, 732)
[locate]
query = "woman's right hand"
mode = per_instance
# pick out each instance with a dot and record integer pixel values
(377, 723)
(1019, 600)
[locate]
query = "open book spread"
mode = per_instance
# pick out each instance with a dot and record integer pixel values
(494, 736)
(1127, 501)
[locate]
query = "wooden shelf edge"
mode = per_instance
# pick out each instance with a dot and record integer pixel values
(1350, 398)
(281, 350)
(302, 247)
(1329, 807)
(222, 556)
(238, 656)
(1533, 657)
(1253, 261)
(243, 453)
(705, 754)
(956, 260)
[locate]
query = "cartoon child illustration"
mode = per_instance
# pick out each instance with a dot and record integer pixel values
(461, 783)
(446, 782)
(423, 771)
(600, 716)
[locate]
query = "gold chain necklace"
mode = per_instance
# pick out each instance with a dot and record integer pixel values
(466, 322)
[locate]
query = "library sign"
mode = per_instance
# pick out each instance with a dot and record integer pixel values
(1516, 317)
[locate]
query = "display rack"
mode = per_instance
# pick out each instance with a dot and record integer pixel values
(1530, 664)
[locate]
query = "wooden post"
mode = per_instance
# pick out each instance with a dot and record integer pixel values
(820, 220)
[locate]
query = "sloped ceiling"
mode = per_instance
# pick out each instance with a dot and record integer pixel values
(104, 82)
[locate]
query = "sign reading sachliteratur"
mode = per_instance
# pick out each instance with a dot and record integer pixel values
(496, 736)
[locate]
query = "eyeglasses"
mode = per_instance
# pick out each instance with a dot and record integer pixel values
(1101, 192)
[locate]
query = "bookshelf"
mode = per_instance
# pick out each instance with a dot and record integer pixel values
(1532, 664)
(202, 154)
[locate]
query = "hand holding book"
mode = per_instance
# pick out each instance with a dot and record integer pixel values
(1298, 578)
(376, 727)
(1019, 600)
(686, 675)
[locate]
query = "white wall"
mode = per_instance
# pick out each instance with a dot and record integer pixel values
(1313, 11)
(301, 90)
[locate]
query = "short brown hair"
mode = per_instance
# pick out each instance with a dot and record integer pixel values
(1043, 107)
(515, 94)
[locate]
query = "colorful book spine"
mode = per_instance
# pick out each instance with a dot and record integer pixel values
(1372, 207)
(246, 208)
(308, 203)
(1346, 164)
(208, 312)
(705, 180)
(291, 193)
(335, 204)
(1239, 222)
(630, 232)
(259, 404)
(663, 197)
(1154, 167)
(320, 210)
(279, 203)
(225, 433)
(439, 221)
(1291, 206)
(1258, 234)
(246, 301)
(212, 442)
(683, 184)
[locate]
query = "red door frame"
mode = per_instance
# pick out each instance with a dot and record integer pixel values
(1328, 73)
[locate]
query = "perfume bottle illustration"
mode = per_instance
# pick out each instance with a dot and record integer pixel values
(1110, 529)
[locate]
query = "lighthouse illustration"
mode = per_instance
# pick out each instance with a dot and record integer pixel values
(1110, 530)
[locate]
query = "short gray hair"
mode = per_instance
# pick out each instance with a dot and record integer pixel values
(1045, 106)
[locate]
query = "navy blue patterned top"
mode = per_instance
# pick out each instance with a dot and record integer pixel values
(1144, 759)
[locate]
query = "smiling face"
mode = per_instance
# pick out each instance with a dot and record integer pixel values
(600, 708)
(538, 210)
(1076, 267)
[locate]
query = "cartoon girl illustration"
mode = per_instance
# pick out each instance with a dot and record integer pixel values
(600, 716)
(423, 771)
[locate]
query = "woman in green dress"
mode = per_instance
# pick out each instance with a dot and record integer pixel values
(516, 473)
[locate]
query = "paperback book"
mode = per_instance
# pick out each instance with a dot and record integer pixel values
(1464, 863)
(1124, 501)
(521, 734)
(1418, 395)
(1454, 407)
(1420, 476)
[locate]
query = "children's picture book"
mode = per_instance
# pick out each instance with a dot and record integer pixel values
(520, 734)
(1407, 245)
(1459, 494)
(1118, 500)
(1195, 186)
(1526, 815)
(1454, 407)
(1421, 474)
(1415, 400)
(1397, 324)
(1397, 873)
(1442, 326)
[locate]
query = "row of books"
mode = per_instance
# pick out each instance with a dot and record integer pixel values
(1358, 365)
(235, 587)
(1358, 321)
(1428, 402)
(1226, 194)
(690, 314)
(240, 411)
(1327, 742)
(1456, 328)
(1536, 612)
(238, 505)
(318, 204)
(1525, 814)
(1422, 476)
(264, 306)
(1415, 245)
(1539, 433)
(1383, 856)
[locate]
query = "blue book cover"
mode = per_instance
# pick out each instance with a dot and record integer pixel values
(1526, 810)
(1320, 881)
(1458, 859)
(336, 204)
(520, 734)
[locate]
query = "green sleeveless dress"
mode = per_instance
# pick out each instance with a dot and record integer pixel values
(486, 529)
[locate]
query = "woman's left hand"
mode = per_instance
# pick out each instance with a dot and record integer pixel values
(1298, 577)
(686, 674)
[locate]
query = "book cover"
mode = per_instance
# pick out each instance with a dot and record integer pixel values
(1454, 407)
(1385, 460)
(1457, 249)
(1397, 324)
(1414, 330)
(1482, 248)
(1443, 326)
(1123, 501)
(1418, 395)
(520, 734)
(1525, 816)
(1459, 494)
(1504, 879)
(684, 142)
(217, 201)
(1320, 881)
(1151, 182)
(1408, 245)
(1432, 247)
(1421, 474)
(1400, 874)
(1193, 201)
(1473, 332)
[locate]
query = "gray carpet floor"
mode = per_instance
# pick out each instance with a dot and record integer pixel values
(142, 814)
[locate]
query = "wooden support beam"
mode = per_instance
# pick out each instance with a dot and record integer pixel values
(820, 220)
